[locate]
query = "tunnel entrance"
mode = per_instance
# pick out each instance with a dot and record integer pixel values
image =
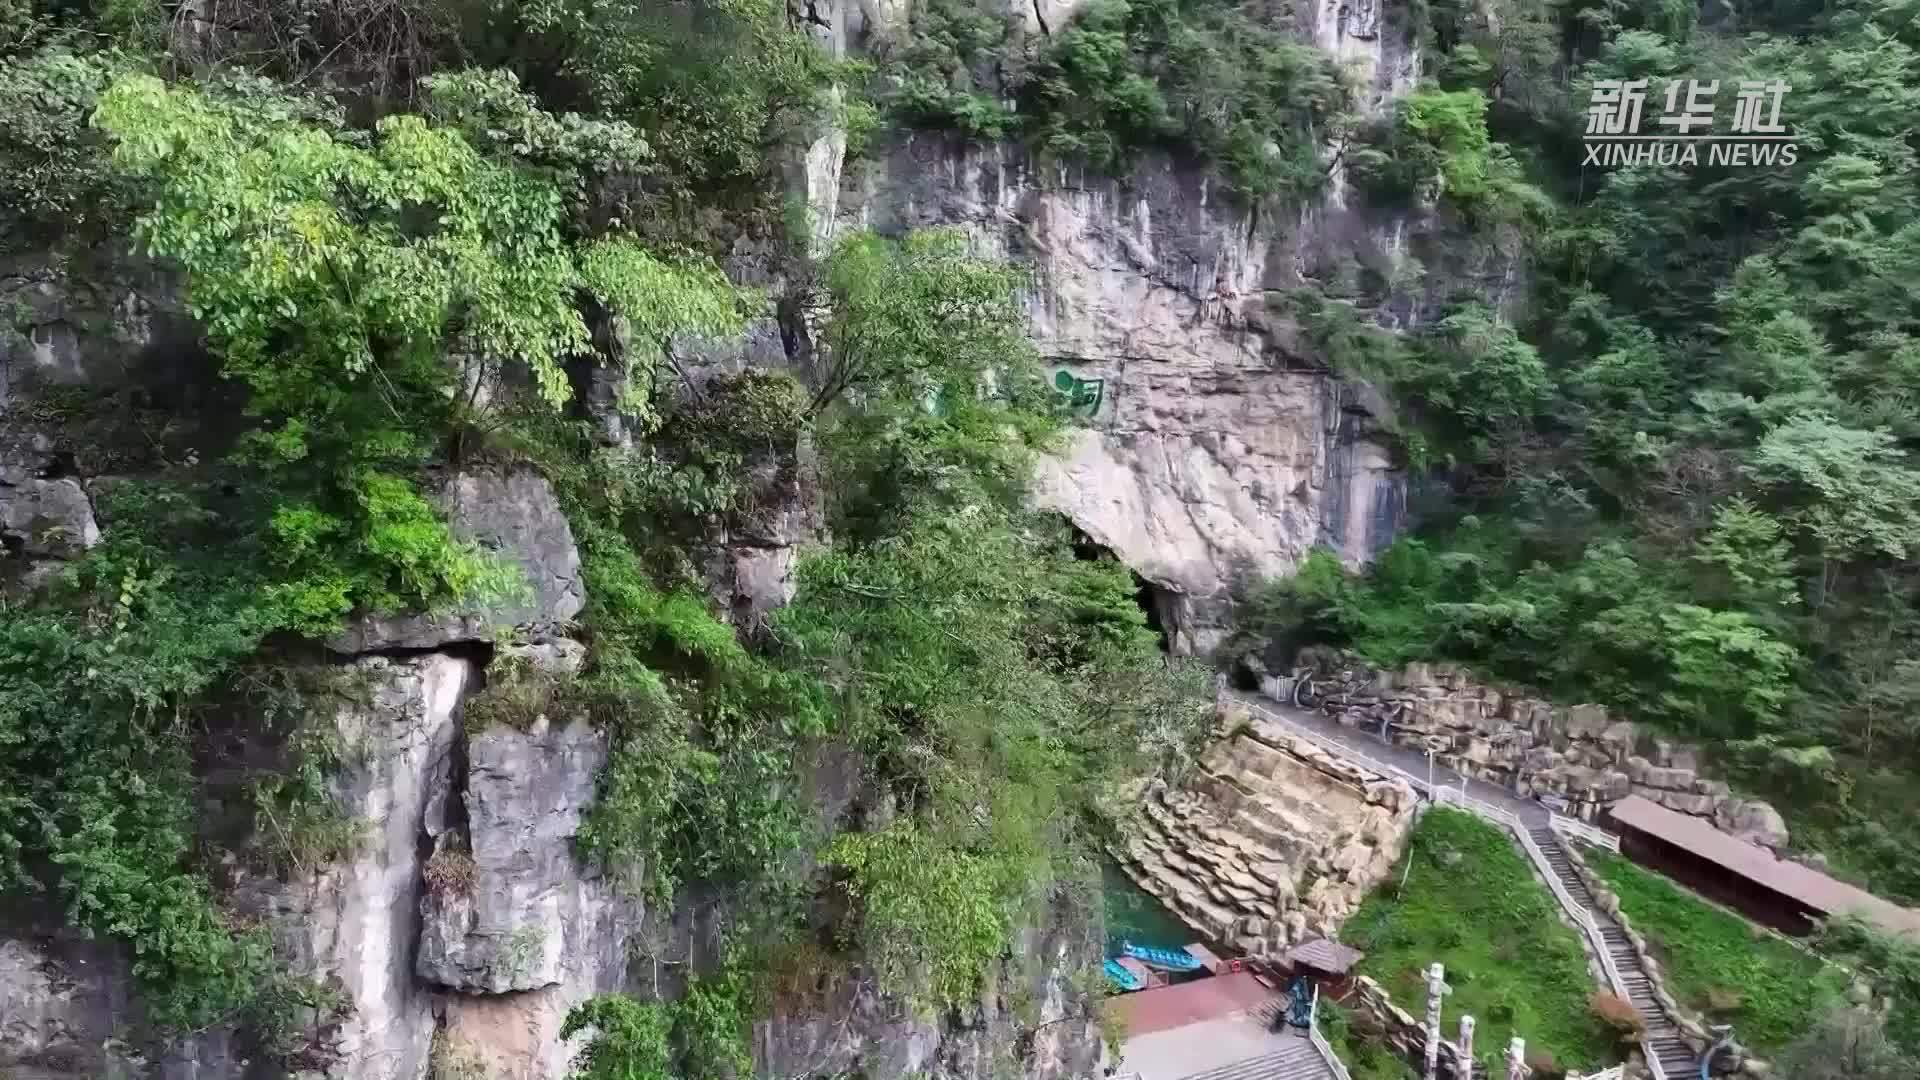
(1157, 601)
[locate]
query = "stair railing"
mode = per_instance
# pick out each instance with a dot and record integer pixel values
(1320, 1043)
(1585, 833)
(1581, 916)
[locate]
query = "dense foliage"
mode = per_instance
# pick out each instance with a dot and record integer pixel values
(1230, 83)
(1677, 477)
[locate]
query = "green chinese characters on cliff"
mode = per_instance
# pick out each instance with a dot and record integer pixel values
(1083, 395)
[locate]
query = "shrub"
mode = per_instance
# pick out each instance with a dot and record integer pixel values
(1435, 144)
(450, 873)
(1617, 1013)
(55, 176)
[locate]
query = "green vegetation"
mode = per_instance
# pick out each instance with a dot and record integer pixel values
(1529, 979)
(1218, 79)
(403, 238)
(1719, 965)
(1847, 1044)
(1364, 1055)
(1435, 145)
(1676, 473)
(703, 1033)
(1892, 965)
(1680, 473)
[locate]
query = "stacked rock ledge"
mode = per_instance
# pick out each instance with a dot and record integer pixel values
(1269, 842)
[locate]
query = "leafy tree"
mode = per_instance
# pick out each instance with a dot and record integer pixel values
(56, 182)
(939, 393)
(715, 85)
(973, 649)
(1750, 557)
(704, 1033)
(1134, 74)
(1436, 145)
(339, 280)
(951, 66)
(1853, 493)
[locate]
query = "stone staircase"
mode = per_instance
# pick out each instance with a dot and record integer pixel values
(1296, 1059)
(1663, 1039)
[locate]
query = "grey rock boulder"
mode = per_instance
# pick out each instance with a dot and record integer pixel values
(1753, 821)
(45, 519)
(531, 910)
(513, 515)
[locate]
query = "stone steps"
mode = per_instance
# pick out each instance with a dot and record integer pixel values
(1661, 1034)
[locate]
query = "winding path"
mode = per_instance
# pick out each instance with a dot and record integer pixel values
(1669, 1056)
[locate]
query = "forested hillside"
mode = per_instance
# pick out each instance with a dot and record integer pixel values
(1678, 478)
(1667, 465)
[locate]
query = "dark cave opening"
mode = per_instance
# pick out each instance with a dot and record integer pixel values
(1148, 596)
(1154, 599)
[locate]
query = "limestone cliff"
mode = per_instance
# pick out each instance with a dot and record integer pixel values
(1218, 448)
(1215, 451)
(458, 926)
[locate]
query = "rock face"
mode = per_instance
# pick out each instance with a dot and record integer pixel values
(511, 514)
(1217, 449)
(1029, 1022)
(89, 320)
(1273, 841)
(45, 518)
(60, 995)
(350, 925)
(356, 921)
(1578, 758)
(529, 917)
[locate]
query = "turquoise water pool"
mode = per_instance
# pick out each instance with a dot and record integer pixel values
(1134, 916)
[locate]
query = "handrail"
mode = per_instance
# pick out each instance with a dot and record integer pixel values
(1581, 916)
(1585, 833)
(1341, 750)
(1320, 1044)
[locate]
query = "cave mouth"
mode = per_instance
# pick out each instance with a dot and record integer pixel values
(1154, 599)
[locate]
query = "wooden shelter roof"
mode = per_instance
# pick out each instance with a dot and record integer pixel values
(1816, 891)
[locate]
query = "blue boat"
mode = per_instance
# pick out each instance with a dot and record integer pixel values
(1122, 978)
(1164, 959)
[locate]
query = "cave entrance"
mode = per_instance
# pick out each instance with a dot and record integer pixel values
(1154, 599)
